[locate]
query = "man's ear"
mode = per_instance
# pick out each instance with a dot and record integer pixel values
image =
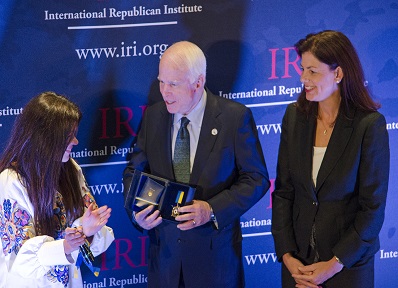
(200, 82)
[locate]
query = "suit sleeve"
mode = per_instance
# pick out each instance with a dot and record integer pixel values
(283, 195)
(252, 182)
(373, 175)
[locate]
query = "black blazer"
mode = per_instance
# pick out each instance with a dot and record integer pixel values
(229, 172)
(347, 205)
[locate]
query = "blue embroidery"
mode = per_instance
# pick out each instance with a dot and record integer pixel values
(16, 227)
(13, 226)
(59, 273)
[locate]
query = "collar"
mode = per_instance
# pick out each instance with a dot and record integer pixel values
(196, 115)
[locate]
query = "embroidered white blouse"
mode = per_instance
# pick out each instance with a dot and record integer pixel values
(27, 260)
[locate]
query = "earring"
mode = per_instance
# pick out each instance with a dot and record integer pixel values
(338, 81)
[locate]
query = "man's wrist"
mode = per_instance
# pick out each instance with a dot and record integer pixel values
(213, 217)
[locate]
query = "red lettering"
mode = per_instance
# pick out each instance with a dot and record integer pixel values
(124, 255)
(103, 262)
(143, 251)
(288, 63)
(273, 64)
(103, 116)
(271, 189)
(124, 250)
(125, 123)
(143, 108)
(122, 117)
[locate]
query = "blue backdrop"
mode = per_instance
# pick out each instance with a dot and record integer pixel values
(104, 55)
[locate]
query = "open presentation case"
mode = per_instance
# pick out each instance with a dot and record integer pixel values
(147, 189)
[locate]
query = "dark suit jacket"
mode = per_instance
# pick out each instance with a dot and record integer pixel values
(347, 205)
(229, 172)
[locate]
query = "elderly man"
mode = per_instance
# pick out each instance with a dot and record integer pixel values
(226, 165)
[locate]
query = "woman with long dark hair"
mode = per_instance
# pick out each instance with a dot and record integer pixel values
(332, 174)
(47, 213)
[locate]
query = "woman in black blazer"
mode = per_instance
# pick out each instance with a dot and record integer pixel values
(332, 175)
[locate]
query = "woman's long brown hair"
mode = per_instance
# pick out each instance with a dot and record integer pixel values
(38, 141)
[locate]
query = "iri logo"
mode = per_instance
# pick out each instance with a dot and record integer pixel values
(287, 62)
(121, 124)
(126, 253)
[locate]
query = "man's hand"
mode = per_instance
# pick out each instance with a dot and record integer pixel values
(196, 214)
(148, 220)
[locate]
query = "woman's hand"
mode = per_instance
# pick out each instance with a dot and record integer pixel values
(319, 272)
(94, 219)
(294, 265)
(74, 238)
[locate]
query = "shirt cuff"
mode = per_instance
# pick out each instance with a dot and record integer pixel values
(52, 253)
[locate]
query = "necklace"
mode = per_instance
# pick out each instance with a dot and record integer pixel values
(331, 125)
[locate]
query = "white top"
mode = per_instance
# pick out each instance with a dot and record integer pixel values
(319, 153)
(27, 260)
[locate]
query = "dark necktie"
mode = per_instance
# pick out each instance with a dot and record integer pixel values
(181, 161)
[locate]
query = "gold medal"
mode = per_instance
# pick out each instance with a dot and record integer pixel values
(174, 211)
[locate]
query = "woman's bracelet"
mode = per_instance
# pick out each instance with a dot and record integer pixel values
(338, 260)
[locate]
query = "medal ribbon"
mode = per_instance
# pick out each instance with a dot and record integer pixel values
(179, 197)
(86, 257)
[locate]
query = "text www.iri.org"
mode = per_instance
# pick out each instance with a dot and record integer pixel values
(122, 51)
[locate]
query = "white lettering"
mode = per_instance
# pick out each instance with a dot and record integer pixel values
(389, 254)
(289, 91)
(121, 151)
(262, 258)
(267, 128)
(255, 223)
